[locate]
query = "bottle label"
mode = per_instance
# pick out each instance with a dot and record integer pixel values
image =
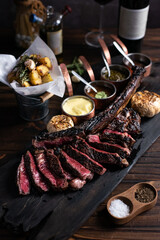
(132, 23)
(54, 41)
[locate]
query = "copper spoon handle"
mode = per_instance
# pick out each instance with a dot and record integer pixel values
(67, 79)
(88, 68)
(105, 50)
(114, 37)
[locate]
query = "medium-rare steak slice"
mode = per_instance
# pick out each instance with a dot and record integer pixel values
(85, 160)
(75, 167)
(56, 182)
(123, 139)
(77, 183)
(50, 140)
(100, 156)
(101, 120)
(94, 141)
(128, 121)
(23, 179)
(34, 174)
(54, 163)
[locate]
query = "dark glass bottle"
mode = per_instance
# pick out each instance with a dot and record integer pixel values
(133, 15)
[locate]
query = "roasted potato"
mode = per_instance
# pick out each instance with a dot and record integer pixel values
(46, 61)
(31, 70)
(47, 78)
(42, 70)
(35, 78)
(26, 84)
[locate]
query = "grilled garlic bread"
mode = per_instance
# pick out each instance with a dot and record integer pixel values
(59, 122)
(146, 103)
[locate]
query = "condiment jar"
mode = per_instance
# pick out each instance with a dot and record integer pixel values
(123, 71)
(141, 60)
(77, 119)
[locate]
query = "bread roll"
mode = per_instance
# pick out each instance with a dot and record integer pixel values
(146, 103)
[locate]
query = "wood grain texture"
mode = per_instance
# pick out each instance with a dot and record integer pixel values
(16, 135)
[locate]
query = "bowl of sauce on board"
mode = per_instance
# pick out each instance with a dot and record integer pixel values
(106, 92)
(80, 108)
(120, 76)
(140, 60)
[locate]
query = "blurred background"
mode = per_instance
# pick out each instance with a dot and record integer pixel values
(85, 15)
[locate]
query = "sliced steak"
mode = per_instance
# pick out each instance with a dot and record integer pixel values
(101, 120)
(128, 121)
(50, 140)
(34, 174)
(75, 167)
(100, 156)
(23, 179)
(54, 163)
(55, 182)
(94, 141)
(123, 139)
(85, 160)
(77, 183)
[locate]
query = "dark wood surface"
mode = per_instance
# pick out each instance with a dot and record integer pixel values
(15, 135)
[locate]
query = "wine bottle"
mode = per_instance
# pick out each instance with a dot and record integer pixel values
(133, 15)
(53, 32)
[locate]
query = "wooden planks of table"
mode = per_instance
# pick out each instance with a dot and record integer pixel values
(16, 134)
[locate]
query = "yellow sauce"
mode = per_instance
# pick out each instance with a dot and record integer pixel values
(77, 106)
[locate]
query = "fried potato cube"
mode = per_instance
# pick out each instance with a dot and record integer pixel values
(42, 70)
(35, 56)
(35, 78)
(47, 78)
(26, 84)
(11, 76)
(46, 61)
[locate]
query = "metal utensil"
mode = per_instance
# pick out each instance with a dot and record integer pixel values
(83, 80)
(106, 64)
(123, 53)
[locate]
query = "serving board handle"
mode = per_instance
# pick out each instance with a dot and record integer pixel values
(46, 96)
(156, 184)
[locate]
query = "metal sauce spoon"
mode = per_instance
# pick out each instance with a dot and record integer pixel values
(123, 53)
(106, 64)
(83, 80)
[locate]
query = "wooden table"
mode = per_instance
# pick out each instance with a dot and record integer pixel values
(16, 133)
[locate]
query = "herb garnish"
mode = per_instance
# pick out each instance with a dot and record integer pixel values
(101, 95)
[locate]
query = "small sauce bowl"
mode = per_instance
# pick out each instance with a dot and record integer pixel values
(99, 85)
(120, 84)
(135, 206)
(74, 104)
(140, 60)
